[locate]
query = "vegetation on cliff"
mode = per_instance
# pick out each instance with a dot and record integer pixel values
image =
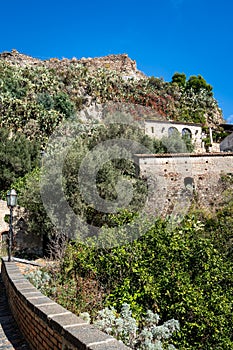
(36, 96)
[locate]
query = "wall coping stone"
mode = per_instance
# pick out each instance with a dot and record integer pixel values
(184, 155)
(76, 333)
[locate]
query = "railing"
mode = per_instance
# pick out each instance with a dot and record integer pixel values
(47, 325)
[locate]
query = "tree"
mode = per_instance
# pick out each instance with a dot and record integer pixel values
(177, 143)
(18, 156)
(180, 79)
(198, 83)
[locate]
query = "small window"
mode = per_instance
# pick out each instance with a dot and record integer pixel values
(152, 130)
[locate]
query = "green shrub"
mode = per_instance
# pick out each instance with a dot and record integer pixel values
(182, 274)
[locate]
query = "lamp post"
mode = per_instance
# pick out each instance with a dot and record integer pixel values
(11, 199)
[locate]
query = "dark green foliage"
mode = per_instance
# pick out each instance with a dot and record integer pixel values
(112, 171)
(179, 79)
(18, 156)
(28, 189)
(63, 104)
(182, 273)
(107, 177)
(157, 83)
(197, 83)
(46, 100)
(109, 174)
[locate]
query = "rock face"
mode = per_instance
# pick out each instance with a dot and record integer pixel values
(227, 144)
(120, 63)
(16, 58)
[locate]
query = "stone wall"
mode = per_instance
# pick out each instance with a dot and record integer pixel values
(3, 211)
(47, 325)
(173, 180)
(22, 240)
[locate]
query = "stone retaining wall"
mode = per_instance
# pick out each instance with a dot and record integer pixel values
(47, 325)
(173, 180)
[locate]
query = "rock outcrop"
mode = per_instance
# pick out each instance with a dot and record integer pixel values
(120, 63)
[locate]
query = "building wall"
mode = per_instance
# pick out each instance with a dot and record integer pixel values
(159, 129)
(173, 180)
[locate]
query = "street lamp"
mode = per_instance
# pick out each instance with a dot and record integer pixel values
(11, 199)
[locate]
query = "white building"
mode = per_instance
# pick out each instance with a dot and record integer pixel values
(159, 129)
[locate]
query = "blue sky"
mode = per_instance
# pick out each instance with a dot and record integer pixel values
(163, 36)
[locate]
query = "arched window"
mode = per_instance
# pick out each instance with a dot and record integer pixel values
(4, 236)
(172, 131)
(189, 184)
(187, 133)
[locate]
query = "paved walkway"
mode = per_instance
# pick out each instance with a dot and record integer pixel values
(10, 336)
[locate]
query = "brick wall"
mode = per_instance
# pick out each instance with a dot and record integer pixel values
(47, 325)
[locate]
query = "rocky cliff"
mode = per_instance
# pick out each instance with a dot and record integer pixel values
(120, 63)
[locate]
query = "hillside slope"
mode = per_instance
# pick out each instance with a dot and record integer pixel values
(36, 95)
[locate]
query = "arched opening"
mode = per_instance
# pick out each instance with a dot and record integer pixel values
(4, 236)
(187, 133)
(189, 183)
(172, 131)
(3, 242)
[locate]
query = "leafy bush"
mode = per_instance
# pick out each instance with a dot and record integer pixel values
(182, 273)
(147, 335)
(63, 104)
(18, 156)
(40, 279)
